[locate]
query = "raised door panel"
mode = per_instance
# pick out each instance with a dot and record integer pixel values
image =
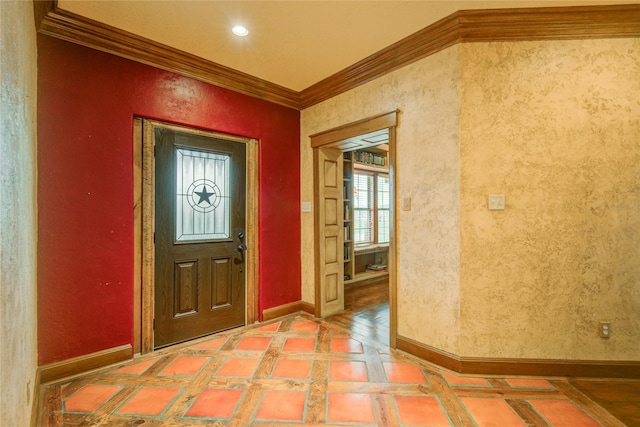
(185, 287)
(221, 283)
(330, 232)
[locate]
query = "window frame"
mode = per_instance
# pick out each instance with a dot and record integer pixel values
(374, 209)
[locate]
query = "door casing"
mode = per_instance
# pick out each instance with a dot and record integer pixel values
(144, 225)
(345, 138)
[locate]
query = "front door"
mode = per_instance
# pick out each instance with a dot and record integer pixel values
(199, 236)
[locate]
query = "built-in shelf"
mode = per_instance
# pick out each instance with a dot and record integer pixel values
(347, 176)
(368, 275)
(356, 259)
(371, 168)
(370, 249)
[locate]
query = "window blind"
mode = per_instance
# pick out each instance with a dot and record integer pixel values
(363, 208)
(383, 202)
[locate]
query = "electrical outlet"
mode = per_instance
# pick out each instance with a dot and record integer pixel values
(496, 202)
(605, 329)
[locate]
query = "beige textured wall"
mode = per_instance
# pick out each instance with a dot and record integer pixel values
(555, 126)
(18, 347)
(426, 93)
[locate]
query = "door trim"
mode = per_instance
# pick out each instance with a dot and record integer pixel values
(340, 137)
(144, 225)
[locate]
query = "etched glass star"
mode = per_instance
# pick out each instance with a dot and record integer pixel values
(204, 195)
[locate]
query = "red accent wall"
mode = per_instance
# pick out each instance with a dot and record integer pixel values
(86, 104)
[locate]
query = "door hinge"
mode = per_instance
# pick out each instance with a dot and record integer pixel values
(154, 237)
(154, 151)
(154, 324)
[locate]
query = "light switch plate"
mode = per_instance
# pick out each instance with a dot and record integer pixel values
(305, 206)
(496, 202)
(406, 204)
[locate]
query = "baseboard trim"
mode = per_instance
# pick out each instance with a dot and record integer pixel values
(428, 353)
(81, 364)
(35, 399)
(286, 309)
(526, 367)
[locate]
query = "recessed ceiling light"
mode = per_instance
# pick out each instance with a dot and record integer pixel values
(239, 30)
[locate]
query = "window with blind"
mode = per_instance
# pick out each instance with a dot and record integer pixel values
(362, 208)
(382, 203)
(371, 208)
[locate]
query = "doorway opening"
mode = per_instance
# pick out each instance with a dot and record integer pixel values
(188, 297)
(355, 283)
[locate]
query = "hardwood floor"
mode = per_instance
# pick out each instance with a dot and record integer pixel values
(366, 310)
(621, 398)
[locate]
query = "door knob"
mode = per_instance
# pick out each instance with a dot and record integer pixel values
(242, 248)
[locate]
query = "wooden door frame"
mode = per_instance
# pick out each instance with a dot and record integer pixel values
(144, 225)
(341, 137)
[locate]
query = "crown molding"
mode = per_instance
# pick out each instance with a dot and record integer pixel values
(550, 23)
(52, 21)
(467, 26)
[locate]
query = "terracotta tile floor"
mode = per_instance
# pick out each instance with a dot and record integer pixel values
(305, 371)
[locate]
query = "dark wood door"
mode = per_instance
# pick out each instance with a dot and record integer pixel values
(200, 203)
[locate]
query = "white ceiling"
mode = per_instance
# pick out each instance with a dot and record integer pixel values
(291, 43)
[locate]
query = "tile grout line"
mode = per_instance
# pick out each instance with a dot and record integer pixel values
(591, 408)
(526, 412)
(452, 405)
(317, 395)
(317, 386)
(190, 393)
(110, 406)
